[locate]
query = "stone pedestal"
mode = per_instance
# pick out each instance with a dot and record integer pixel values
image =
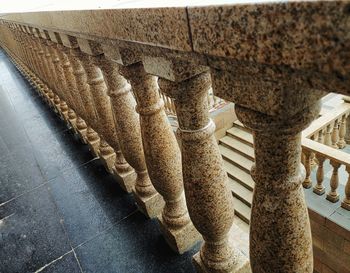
(150, 204)
(82, 130)
(180, 239)
(107, 156)
(93, 141)
(126, 180)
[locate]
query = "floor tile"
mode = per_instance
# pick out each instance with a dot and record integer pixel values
(31, 234)
(65, 264)
(135, 246)
(89, 200)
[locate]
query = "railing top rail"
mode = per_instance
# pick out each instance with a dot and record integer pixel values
(274, 57)
(311, 35)
(326, 119)
(326, 151)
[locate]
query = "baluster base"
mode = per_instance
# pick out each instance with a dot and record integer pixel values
(151, 206)
(333, 197)
(238, 263)
(125, 180)
(73, 125)
(341, 144)
(82, 135)
(108, 161)
(319, 191)
(93, 141)
(94, 146)
(345, 205)
(182, 239)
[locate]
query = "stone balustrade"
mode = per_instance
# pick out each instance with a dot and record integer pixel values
(337, 159)
(112, 74)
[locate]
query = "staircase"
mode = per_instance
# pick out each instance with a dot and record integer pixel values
(238, 154)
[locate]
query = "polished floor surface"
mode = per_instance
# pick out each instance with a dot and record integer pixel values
(59, 209)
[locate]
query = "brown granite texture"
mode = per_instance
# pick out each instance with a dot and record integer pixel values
(105, 125)
(205, 180)
(171, 69)
(163, 159)
(166, 27)
(280, 237)
(137, 82)
(71, 86)
(263, 89)
(129, 135)
(83, 88)
(90, 47)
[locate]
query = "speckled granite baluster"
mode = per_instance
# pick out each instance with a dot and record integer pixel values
(342, 132)
(209, 201)
(121, 169)
(307, 183)
(106, 126)
(280, 236)
(319, 188)
(51, 81)
(39, 65)
(129, 135)
(60, 81)
(333, 195)
(163, 159)
(84, 92)
(64, 72)
(335, 134)
(346, 201)
(328, 135)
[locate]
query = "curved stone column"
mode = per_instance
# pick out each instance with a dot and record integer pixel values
(209, 201)
(163, 159)
(87, 110)
(65, 70)
(106, 126)
(280, 236)
(129, 134)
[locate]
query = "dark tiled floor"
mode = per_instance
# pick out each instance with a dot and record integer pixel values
(59, 209)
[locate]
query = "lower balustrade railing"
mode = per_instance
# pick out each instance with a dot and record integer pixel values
(321, 143)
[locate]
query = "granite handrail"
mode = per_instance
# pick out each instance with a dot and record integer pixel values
(274, 60)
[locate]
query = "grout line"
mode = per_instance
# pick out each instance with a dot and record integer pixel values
(50, 263)
(6, 217)
(25, 192)
(76, 258)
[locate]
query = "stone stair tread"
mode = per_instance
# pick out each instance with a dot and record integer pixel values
(238, 174)
(241, 210)
(236, 158)
(239, 125)
(240, 192)
(237, 145)
(241, 134)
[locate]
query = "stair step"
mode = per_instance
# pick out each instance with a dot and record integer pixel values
(239, 146)
(240, 125)
(241, 210)
(242, 135)
(236, 158)
(240, 192)
(239, 175)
